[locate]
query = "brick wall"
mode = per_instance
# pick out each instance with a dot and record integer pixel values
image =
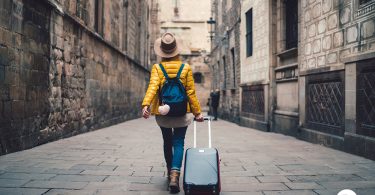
(58, 77)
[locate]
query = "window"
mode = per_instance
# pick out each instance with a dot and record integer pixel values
(176, 4)
(361, 2)
(291, 24)
(363, 8)
(99, 16)
(81, 9)
(218, 77)
(225, 73)
(249, 33)
(229, 5)
(198, 77)
(219, 13)
(125, 27)
(234, 66)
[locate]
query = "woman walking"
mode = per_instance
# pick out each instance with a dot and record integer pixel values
(173, 128)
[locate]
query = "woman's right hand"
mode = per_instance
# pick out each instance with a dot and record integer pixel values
(145, 112)
(199, 118)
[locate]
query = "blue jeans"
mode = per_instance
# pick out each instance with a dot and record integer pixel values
(174, 146)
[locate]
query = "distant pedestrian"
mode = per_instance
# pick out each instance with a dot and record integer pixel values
(163, 95)
(209, 106)
(215, 99)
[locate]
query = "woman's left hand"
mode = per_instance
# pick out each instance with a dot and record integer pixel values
(145, 112)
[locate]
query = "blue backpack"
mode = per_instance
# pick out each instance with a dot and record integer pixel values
(173, 93)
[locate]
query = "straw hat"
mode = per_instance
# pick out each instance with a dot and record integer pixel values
(167, 46)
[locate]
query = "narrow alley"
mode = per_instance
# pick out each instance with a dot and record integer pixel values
(127, 159)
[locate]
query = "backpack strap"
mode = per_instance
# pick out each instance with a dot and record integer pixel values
(164, 72)
(179, 71)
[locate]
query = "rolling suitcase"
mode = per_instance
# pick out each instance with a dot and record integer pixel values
(201, 172)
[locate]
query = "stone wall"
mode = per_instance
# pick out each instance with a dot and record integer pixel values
(24, 68)
(58, 77)
(225, 57)
(284, 105)
(154, 28)
(333, 31)
(337, 53)
(255, 68)
(199, 66)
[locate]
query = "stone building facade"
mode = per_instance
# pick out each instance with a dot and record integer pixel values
(307, 69)
(154, 28)
(284, 112)
(225, 57)
(255, 63)
(337, 75)
(69, 66)
(188, 22)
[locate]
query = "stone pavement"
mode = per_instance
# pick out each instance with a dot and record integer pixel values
(127, 159)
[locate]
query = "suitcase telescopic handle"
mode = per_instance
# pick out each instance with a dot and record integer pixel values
(207, 118)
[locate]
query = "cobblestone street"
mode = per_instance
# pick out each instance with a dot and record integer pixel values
(127, 159)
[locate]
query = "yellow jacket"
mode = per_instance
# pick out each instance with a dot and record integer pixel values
(157, 81)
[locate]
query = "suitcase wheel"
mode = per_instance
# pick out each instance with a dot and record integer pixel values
(214, 191)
